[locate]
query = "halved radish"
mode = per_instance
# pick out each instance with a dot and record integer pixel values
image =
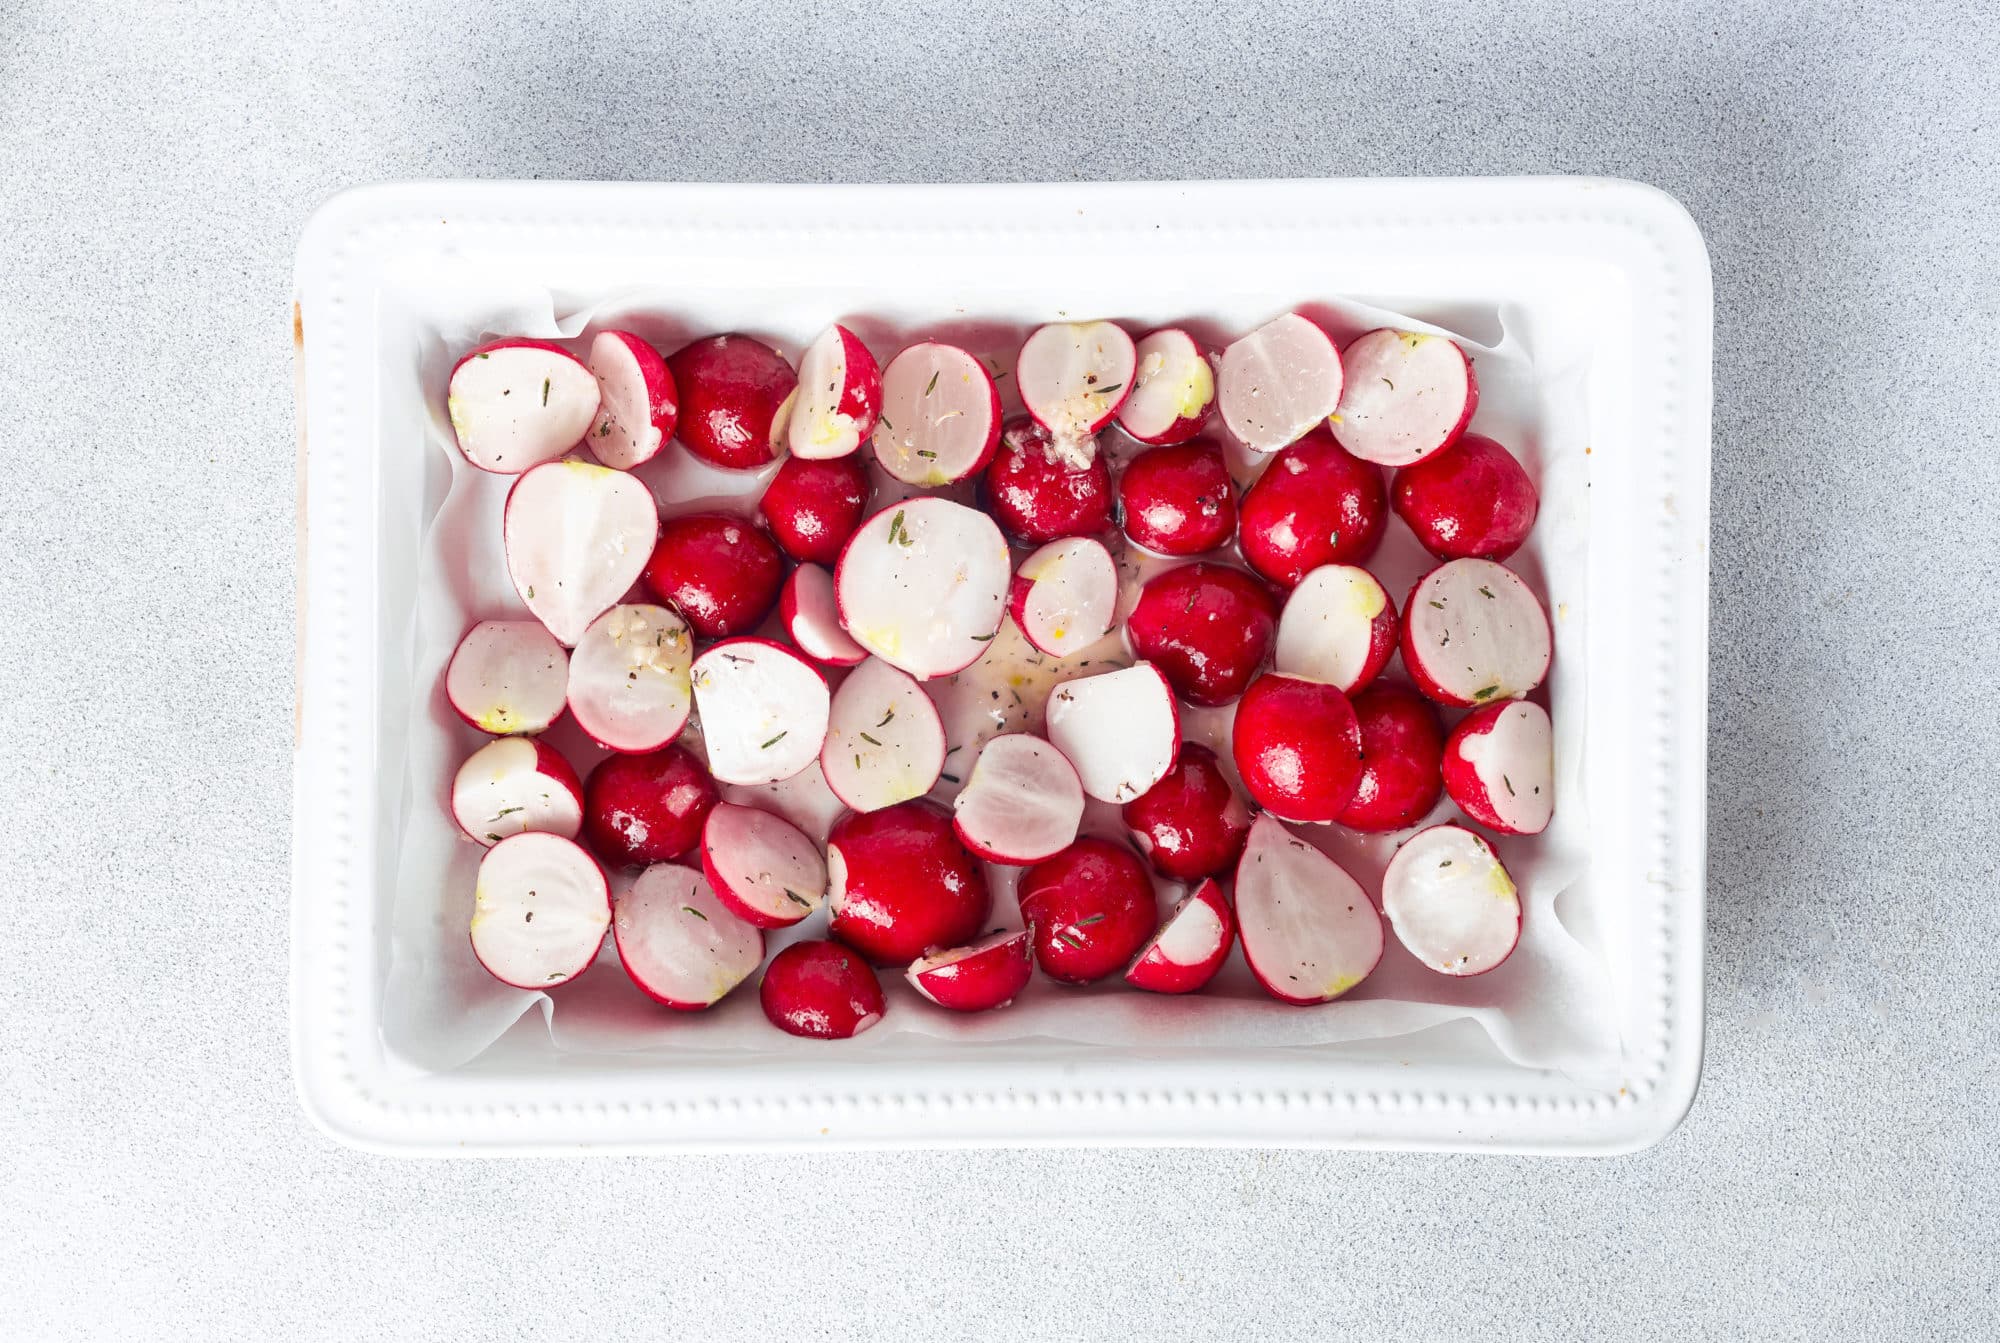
(764, 868)
(763, 710)
(508, 676)
(813, 507)
(940, 417)
(1190, 946)
(1207, 627)
(1401, 748)
(1022, 802)
(679, 943)
(923, 585)
(1474, 633)
(1173, 389)
(577, 537)
(1338, 626)
(629, 678)
(718, 569)
(539, 911)
(812, 618)
(1065, 595)
(1192, 823)
(1472, 499)
(1278, 382)
(1073, 378)
(1178, 499)
(513, 785)
(640, 404)
(517, 403)
(1407, 395)
(1297, 747)
(641, 809)
(1315, 504)
(899, 883)
(1090, 907)
(1309, 932)
(1451, 901)
(979, 977)
(736, 400)
(1037, 496)
(1499, 767)
(840, 394)
(822, 991)
(884, 739)
(1120, 729)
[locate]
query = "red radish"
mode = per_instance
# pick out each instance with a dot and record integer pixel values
(1278, 382)
(1090, 907)
(641, 809)
(517, 403)
(764, 869)
(976, 978)
(1190, 946)
(1039, 497)
(719, 570)
(822, 991)
(1021, 803)
(1499, 767)
(1192, 823)
(736, 400)
(1471, 500)
(1315, 504)
(1408, 395)
(1173, 390)
(840, 394)
(1474, 633)
(813, 507)
(812, 618)
(1207, 627)
(514, 785)
(884, 740)
(940, 417)
(1451, 902)
(1120, 729)
(1338, 626)
(679, 943)
(640, 403)
(1298, 747)
(577, 536)
(508, 676)
(923, 585)
(1401, 746)
(1073, 378)
(899, 883)
(628, 679)
(539, 911)
(763, 710)
(1065, 595)
(1179, 499)
(1309, 932)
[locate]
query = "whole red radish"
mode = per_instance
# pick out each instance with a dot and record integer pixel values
(900, 883)
(736, 400)
(1173, 390)
(1472, 499)
(1499, 767)
(1338, 626)
(840, 395)
(513, 785)
(1408, 395)
(1475, 633)
(519, 402)
(679, 943)
(640, 403)
(1315, 504)
(1279, 382)
(1192, 823)
(1309, 932)
(812, 507)
(719, 570)
(1179, 499)
(979, 977)
(1190, 946)
(641, 809)
(1401, 746)
(1091, 907)
(1039, 497)
(1207, 627)
(1451, 901)
(539, 911)
(508, 676)
(1297, 747)
(822, 991)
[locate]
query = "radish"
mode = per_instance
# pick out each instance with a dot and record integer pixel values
(628, 679)
(1472, 499)
(1401, 747)
(763, 868)
(518, 403)
(539, 911)
(1090, 909)
(1499, 767)
(1315, 504)
(679, 943)
(1474, 633)
(508, 676)
(813, 507)
(1309, 932)
(640, 403)
(1120, 729)
(1065, 596)
(736, 400)
(513, 785)
(812, 618)
(1338, 626)
(1173, 391)
(940, 417)
(923, 585)
(1179, 499)
(1207, 627)
(641, 809)
(1278, 382)
(899, 883)
(1073, 378)
(976, 978)
(1451, 901)
(763, 710)
(822, 991)
(1037, 496)
(577, 536)
(1192, 823)
(719, 570)
(1408, 395)
(1190, 946)
(884, 740)
(1297, 747)
(1021, 803)
(840, 395)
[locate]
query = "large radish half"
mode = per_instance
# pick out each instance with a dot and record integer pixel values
(1407, 395)
(513, 785)
(629, 678)
(1190, 946)
(1474, 633)
(1065, 595)
(640, 404)
(1309, 931)
(1073, 378)
(976, 978)
(577, 537)
(763, 710)
(840, 394)
(1120, 729)
(680, 944)
(1173, 389)
(539, 910)
(508, 676)
(1022, 803)
(767, 870)
(940, 418)
(1499, 767)
(884, 739)
(1451, 901)
(923, 585)
(1278, 382)
(812, 618)
(518, 403)
(1338, 626)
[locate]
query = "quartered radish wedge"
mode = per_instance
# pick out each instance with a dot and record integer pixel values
(1407, 395)
(884, 740)
(1278, 382)
(1451, 901)
(764, 868)
(640, 403)
(508, 676)
(840, 394)
(1173, 390)
(940, 418)
(1190, 946)
(1499, 767)
(1474, 633)
(812, 618)
(1022, 802)
(1338, 626)
(976, 978)
(680, 944)
(763, 710)
(577, 536)
(513, 785)
(1073, 378)
(822, 991)
(1308, 929)
(1120, 729)
(1065, 595)
(539, 911)
(517, 403)
(923, 585)
(629, 678)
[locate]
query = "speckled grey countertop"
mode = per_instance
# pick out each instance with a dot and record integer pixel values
(1839, 1174)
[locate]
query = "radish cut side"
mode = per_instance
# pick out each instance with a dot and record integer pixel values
(1022, 803)
(1065, 595)
(1499, 767)
(1451, 901)
(1308, 929)
(1278, 382)
(577, 537)
(923, 585)
(979, 977)
(940, 418)
(840, 394)
(639, 406)
(763, 710)
(884, 742)
(518, 403)
(515, 785)
(1337, 626)
(1190, 946)
(812, 618)
(762, 867)
(508, 676)
(1073, 378)
(1120, 729)
(539, 911)
(1408, 395)
(629, 678)
(679, 943)
(1473, 633)
(1172, 391)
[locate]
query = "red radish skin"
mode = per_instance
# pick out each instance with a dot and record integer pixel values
(987, 974)
(1190, 947)
(1297, 748)
(680, 944)
(884, 742)
(629, 678)
(813, 507)
(811, 615)
(1499, 767)
(1474, 633)
(765, 870)
(1452, 902)
(719, 570)
(840, 395)
(1120, 729)
(1401, 749)
(1473, 500)
(1279, 382)
(1315, 504)
(539, 911)
(508, 676)
(923, 585)
(1309, 932)
(821, 991)
(643, 809)
(899, 883)
(1091, 908)
(514, 785)
(1173, 389)
(1074, 376)
(1338, 626)
(1179, 500)
(1207, 627)
(940, 417)
(517, 403)
(577, 536)
(1022, 802)
(1192, 823)
(736, 400)
(640, 405)
(1408, 396)
(1037, 496)
(1065, 596)
(763, 708)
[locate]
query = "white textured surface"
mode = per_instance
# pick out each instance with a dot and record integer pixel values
(1837, 1177)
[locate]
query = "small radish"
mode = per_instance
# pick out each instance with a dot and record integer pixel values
(923, 585)
(1207, 627)
(976, 978)
(1401, 747)
(763, 710)
(1338, 626)
(577, 536)
(1474, 633)
(539, 911)
(736, 400)
(640, 403)
(764, 869)
(813, 507)
(1120, 729)
(822, 991)
(1315, 504)
(812, 618)
(1037, 496)
(1022, 802)
(899, 883)
(1297, 747)
(940, 417)
(840, 394)
(1309, 932)
(1178, 499)
(629, 678)
(719, 570)
(1451, 902)
(1408, 395)
(679, 943)
(884, 739)
(1173, 390)
(641, 809)
(1190, 946)
(1065, 595)
(1471, 500)
(517, 403)
(508, 676)
(513, 785)
(1192, 823)
(1499, 767)
(1073, 378)
(1278, 382)
(1090, 907)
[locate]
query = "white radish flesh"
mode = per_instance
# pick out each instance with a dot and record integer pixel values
(515, 785)
(923, 585)
(812, 618)
(679, 943)
(763, 710)
(539, 910)
(940, 417)
(1073, 378)
(629, 678)
(1328, 629)
(1022, 802)
(1407, 395)
(840, 390)
(1065, 595)
(1511, 759)
(1120, 729)
(1451, 901)
(884, 742)
(577, 537)
(508, 676)
(1190, 947)
(762, 866)
(639, 405)
(1173, 388)
(517, 404)
(1278, 382)
(1473, 633)
(1309, 931)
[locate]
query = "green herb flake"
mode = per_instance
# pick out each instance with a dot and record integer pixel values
(870, 740)
(885, 423)
(775, 740)
(690, 909)
(949, 778)
(1510, 786)
(1094, 918)
(1487, 593)
(1439, 605)
(1107, 391)
(926, 452)
(545, 391)
(932, 387)
(796, 898)
(507, 811)
(887, 717)
(984, 638)
(1486, 692)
